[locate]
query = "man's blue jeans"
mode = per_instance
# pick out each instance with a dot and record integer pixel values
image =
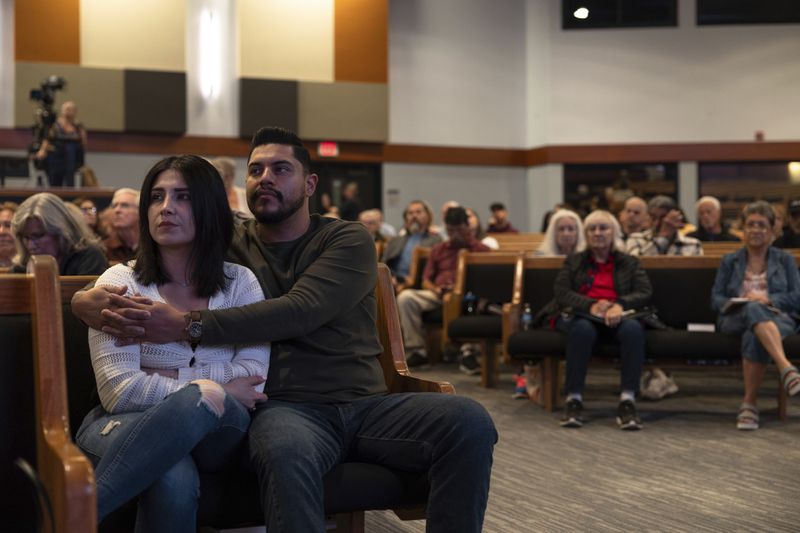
(293, 445)
(582, 335)
(157, 453)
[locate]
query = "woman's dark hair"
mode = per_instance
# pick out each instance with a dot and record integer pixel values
(759, 208)
(213, 224)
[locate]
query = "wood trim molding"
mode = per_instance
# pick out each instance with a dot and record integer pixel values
(365, 152)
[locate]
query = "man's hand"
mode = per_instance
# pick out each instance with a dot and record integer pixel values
(242, 389)
(88, 305)
(135, 321)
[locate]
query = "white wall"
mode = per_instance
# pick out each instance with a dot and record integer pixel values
(6, 63)
(476, 187)
(685, 84)
(457, 72)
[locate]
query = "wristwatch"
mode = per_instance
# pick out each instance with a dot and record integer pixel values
(194, 328)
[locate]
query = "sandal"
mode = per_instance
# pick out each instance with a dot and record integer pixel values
(747, 419)
(790, 377)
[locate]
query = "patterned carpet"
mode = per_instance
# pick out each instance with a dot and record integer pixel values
(688, 470)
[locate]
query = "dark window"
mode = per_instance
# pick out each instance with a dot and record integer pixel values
(607, 186)
(736, 184)
(618, 13)
(748, 11)
(333, 177)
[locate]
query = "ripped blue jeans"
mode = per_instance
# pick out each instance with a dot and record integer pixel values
(156, 454)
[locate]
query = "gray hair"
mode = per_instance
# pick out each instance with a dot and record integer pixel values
(127, 190)
(67, 226)
(616, 230)
(759, 208)
(661, 202)
(225, 165)
(549, 245)
(709, 199)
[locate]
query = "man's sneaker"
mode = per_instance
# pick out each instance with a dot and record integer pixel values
(418, 359)
(627, 417)
(573, 414)
(469, 364)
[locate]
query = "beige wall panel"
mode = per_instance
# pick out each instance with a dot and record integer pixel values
(140, 34)
(97, 92)
(343, 111)
(286, 39)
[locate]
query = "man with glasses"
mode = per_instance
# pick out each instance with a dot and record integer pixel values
(122, 244)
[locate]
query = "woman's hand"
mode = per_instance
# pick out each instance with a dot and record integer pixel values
(600, 307)
(242, 389)
(88, 305)
(613, 315)
(759, 297)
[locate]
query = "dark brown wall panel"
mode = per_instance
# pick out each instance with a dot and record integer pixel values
(47, 31)
(267, 103)
(155, 102)
(361, 34)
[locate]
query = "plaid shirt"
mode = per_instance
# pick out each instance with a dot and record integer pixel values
(643, 243)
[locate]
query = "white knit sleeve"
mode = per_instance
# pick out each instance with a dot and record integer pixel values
(121, 383)
(248, 360)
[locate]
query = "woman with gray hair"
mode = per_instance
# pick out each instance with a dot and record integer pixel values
(45, 226)
(593, 290)
(564, 234)
(756, 292)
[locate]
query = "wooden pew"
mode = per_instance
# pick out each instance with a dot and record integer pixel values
(518, 242)
(65, 472)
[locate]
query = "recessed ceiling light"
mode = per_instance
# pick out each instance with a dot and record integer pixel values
(581, 13)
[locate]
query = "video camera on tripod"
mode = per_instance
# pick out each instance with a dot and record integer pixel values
(45, 115)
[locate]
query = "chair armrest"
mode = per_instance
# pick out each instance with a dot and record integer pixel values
(451, 309)
(69, 478)
(406, 383)
(511, 317)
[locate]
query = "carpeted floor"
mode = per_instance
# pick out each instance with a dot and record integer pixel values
(688, 470)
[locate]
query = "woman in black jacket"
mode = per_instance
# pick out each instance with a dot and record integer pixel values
(594, 290)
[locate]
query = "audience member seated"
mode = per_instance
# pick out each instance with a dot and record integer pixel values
(477, 230)
(634, 217)
(437, 280)
(328, 400)
(709, 218)
(122, 242)
(417, 218)
(498, 222)
(351, 205)
(45, 226)
(791, 231)
(780, 222)
(237, 198)
(8, 242)
(89, 213)
(170, 410)
(592, 291)
(564, 234)
(664, 237)
(757, 294)
(371, 218)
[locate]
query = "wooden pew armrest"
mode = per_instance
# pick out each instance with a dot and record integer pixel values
(407, 383)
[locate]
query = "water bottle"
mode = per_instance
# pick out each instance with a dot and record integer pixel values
(470, 303)
(527, 317)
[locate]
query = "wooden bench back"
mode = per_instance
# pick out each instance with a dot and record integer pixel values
(522, 242)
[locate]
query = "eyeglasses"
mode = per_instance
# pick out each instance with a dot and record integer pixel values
(90, 210)
(6, 225)
(756, 225)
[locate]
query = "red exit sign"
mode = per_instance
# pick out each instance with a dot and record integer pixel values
(328, 149)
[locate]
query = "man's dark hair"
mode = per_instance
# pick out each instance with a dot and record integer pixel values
(275, 135)
(497, 206)
(213, 224)
(661, 202)
(456, 216)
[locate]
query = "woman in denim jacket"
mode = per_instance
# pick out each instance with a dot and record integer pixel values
(756, 291)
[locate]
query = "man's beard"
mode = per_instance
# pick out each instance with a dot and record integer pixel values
(414, 228)
(284, 210)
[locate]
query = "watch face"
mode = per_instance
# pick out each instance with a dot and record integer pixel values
(195, 330)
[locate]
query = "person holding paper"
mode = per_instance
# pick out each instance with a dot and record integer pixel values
(756, 292)
(593, 290)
